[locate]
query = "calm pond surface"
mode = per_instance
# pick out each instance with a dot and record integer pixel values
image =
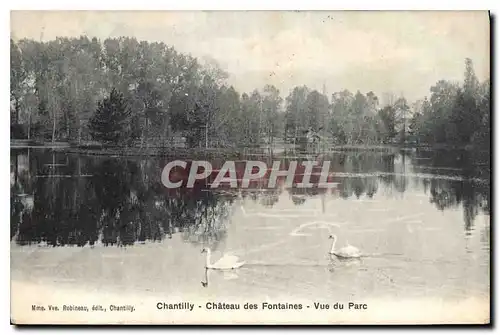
(420, 218)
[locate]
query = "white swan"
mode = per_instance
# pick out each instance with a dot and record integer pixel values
(346, 252)
(227, 262)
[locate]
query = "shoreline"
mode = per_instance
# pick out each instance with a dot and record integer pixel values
(134, 151)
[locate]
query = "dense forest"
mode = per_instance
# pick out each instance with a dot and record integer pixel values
(128, 92)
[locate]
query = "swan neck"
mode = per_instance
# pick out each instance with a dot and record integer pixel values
(207, 259)
(333, 244)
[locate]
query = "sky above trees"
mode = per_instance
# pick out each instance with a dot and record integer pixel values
(400, 52)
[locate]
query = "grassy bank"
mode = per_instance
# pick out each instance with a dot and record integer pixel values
(96, 149)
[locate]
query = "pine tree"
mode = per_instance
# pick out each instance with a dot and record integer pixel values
(111, 121)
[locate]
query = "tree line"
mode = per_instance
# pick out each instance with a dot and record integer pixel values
(129, 92)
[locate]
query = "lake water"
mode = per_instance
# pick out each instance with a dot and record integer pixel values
(421, 220)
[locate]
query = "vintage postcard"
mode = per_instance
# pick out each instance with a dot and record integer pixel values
(250, 167)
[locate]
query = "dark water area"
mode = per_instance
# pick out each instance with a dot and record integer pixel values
(63, 199)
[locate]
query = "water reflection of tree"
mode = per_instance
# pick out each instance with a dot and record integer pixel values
(359, 163)
(16, 211)
(299, 195)
(21, 199)
(387, 163)
(472, 193)
(298, 200)
(266, 197)
(204, 215)
(472, 196)
(120, 203)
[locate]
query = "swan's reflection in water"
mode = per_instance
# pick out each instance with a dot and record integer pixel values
(337, 263)
(204, 282)
(226, 275)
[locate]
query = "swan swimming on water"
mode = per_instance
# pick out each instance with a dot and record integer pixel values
(348, 251)
(227, 262)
